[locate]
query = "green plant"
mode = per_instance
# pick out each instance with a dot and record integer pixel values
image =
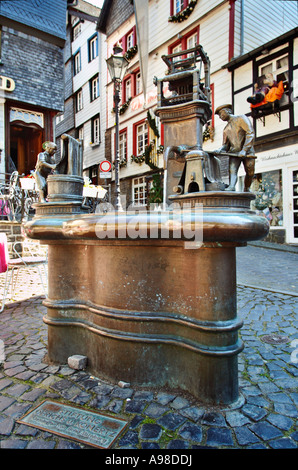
(156, 191)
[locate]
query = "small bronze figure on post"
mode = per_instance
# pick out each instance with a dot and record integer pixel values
(238, 138)
(71, 162)
(44, 167)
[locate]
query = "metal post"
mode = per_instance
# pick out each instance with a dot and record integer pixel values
(117, 159)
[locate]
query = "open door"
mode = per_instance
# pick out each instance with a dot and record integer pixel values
(25, 145)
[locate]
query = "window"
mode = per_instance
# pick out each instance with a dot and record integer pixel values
(191, 42)
(59, 118)
(123, 145)
(93, 171)
(127, 90)
(95, 130)
(175, 49)
(77, 62)
(178, 5)
(92, 48)
(94, 88)
(267, 188)
(132, 86)
(81, 133)
(276, 69)
(79, 100)
(129, 40)
(141, 138)
(188, 41)
(139, 191)
(76, 31)
(138, 80)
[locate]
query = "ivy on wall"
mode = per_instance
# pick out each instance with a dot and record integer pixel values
(152, 123)
(156, 191)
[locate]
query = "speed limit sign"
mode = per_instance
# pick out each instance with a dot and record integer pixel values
(105, 169)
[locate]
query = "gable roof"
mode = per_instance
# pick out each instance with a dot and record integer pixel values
(113, 14)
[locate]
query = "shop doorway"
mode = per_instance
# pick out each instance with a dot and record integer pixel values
(293, 194)
(25, 144)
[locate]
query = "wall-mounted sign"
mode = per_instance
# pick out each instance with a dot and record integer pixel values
(105, 166)
(7, 84)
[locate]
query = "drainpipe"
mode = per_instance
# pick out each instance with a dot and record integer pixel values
(231, 29)
(242, 28)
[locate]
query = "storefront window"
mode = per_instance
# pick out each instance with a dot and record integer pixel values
(267, 187)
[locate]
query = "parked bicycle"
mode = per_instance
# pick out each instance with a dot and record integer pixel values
(16, 202)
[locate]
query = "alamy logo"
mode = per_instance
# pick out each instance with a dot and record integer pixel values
(184, 223)
(2, 351)
(294, 354)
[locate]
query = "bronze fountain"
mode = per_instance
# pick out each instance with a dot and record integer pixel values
(150, 298)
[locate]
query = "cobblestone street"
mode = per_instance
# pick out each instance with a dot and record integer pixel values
(266, 419)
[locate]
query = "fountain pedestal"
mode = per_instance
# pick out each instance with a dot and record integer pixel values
(132, 293)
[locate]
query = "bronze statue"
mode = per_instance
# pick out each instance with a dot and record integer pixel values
(45, 165)
(71, 162)
(238, 138)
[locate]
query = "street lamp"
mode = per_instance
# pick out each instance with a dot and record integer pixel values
(117, 65)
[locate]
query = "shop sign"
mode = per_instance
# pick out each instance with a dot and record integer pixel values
(7, 84)
(283, 154)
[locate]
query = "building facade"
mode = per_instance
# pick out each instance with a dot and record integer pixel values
(226, 30)
(32, 84)
(276, 130)
(84, 110)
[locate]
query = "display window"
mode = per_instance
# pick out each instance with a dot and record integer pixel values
(267, 187)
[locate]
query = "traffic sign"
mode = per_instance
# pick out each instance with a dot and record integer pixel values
(105, 166)
(106, 174)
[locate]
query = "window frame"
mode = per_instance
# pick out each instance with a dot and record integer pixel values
(285, 103)
(136, 135)
(80, 133)
(93, 96)
(92, 51)
(76, 30)
(136, 81)
(77, 62)
(123, 156)
(132, 77)
(124, 40)
(94, 120)
(183, 40)
(126, 96)
(136, 184)
(173, 5)
(79, 100)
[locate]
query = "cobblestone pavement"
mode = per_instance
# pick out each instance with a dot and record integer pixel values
(271, 269)
(268, 374)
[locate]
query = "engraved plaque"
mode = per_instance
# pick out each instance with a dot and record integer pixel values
(88, 427)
